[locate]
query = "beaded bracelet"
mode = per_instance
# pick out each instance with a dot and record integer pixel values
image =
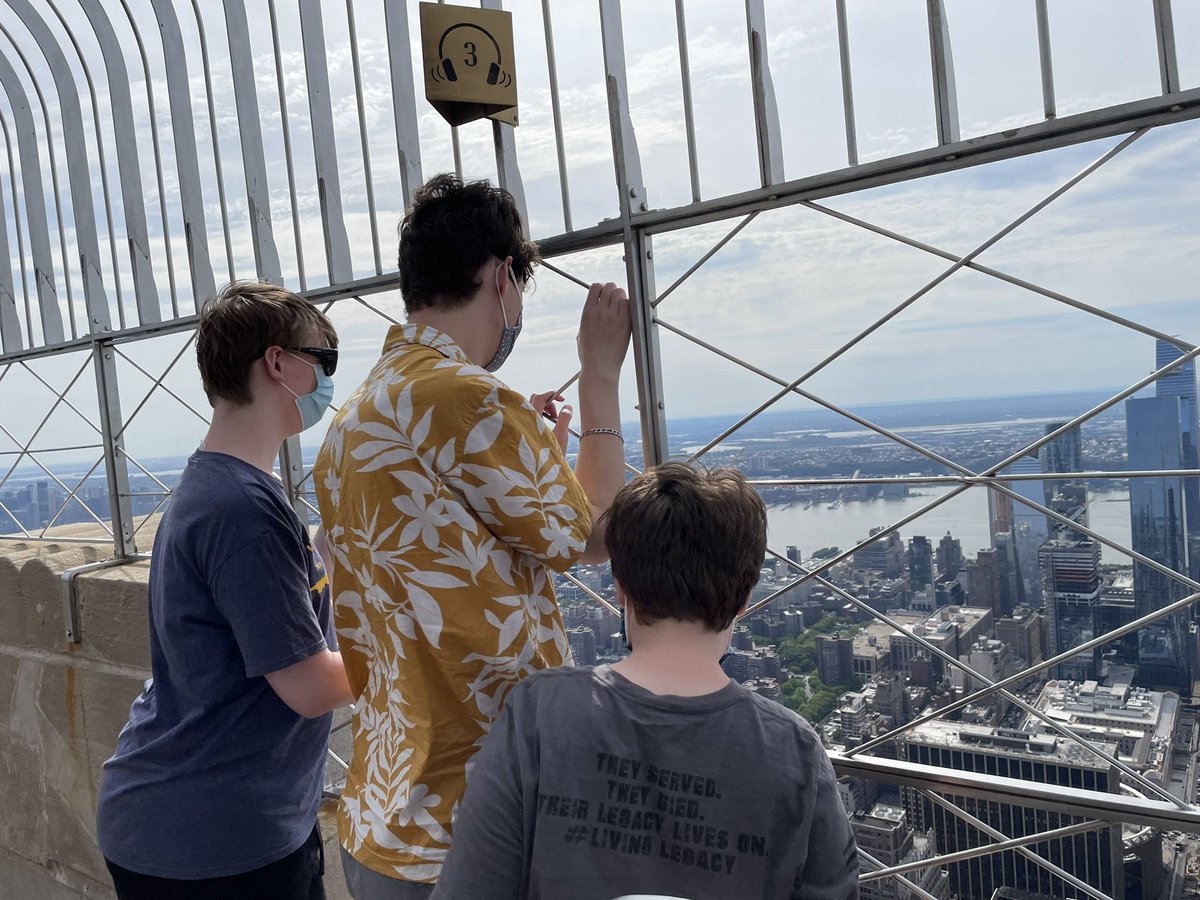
(612, 431)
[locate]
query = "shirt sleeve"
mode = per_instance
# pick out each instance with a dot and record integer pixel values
(517, 480)
(488, 856)
(263, 591)
(831, 867)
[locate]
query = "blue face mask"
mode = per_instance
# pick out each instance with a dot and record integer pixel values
(312, 405)
(508, 338)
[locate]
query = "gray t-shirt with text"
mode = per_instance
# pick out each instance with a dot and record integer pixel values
(590, 786)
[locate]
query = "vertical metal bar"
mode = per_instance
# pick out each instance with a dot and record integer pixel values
(158, 169)
(404, 103)
(10, 324)
(287, 145)
(254, 163)
(1168, 60)
(112, 237)
(187, 164)
(78, 168)
(689, 115)
(639, 265)
(329, 191)
(1046, 59)
(54, 187)
(362, 135)
(216, 144)
(291, 473)
(115, 466)
(457, 148)
(35, 205)
(945, 98)
(556, 112)
(12, 180)
(843, 30)
(766, 113)
(508, 173)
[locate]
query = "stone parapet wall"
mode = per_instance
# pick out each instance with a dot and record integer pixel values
(62, 705)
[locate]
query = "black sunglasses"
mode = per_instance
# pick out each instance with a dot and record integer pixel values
(326, 356)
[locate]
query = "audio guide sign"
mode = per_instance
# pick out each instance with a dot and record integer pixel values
(469, 68)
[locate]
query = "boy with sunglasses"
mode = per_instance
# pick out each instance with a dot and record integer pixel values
(213, 789)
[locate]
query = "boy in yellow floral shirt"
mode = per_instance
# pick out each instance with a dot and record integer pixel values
(446, 497)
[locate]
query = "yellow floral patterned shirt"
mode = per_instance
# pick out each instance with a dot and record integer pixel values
(445, 498)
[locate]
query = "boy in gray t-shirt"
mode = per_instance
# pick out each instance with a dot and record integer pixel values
(658, 775)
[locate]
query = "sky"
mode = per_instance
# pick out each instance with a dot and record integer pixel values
(785, 294)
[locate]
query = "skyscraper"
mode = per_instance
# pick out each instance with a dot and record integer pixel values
(1158, 527)
(949, 556)
(1181, 383)
(1071, 591)
(1029, 527)
(1068, 497)
(920, 563)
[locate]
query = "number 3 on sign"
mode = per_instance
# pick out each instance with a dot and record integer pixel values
(471, 58)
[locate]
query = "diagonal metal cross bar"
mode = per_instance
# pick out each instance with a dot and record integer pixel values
(992, 687)
(1002, 276)
(913, 888)
(157, 384)
(706, 257)
(914, 297)
(996, 834)
(59, 399)
(73, 496)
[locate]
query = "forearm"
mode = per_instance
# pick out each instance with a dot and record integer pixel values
(314, 686)
(600, 467)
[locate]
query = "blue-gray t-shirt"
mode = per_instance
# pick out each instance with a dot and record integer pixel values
(214, 774)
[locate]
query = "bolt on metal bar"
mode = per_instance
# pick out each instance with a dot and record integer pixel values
(1045, 59)
(1002, 276)
(689, 116)
(1164, 33)
(150, 515)
(287, 145)
(556, 113)
(112, 236)
(1029, 854)
(362, 135)
(706, 257)
(216, 146)
(158, 167)
(913, 298)
(120, 510)
(843, 31)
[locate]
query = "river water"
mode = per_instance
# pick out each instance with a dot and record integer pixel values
(964, 516)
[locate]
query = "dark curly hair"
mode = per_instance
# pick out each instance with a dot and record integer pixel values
(453, 228)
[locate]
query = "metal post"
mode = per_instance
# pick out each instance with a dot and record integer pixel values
(639, 266)
(291, 473)
(945, 98)
(1045, 59)
(104, 358)
(843, 30)
(1168, 59)
(766, 113)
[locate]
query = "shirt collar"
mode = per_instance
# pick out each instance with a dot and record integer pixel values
(426, 335)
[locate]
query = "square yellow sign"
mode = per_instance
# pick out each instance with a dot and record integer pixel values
(470, 69)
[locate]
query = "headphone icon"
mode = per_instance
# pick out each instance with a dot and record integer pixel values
(445, 69)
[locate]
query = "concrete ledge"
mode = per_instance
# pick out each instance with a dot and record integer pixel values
(61, 708)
